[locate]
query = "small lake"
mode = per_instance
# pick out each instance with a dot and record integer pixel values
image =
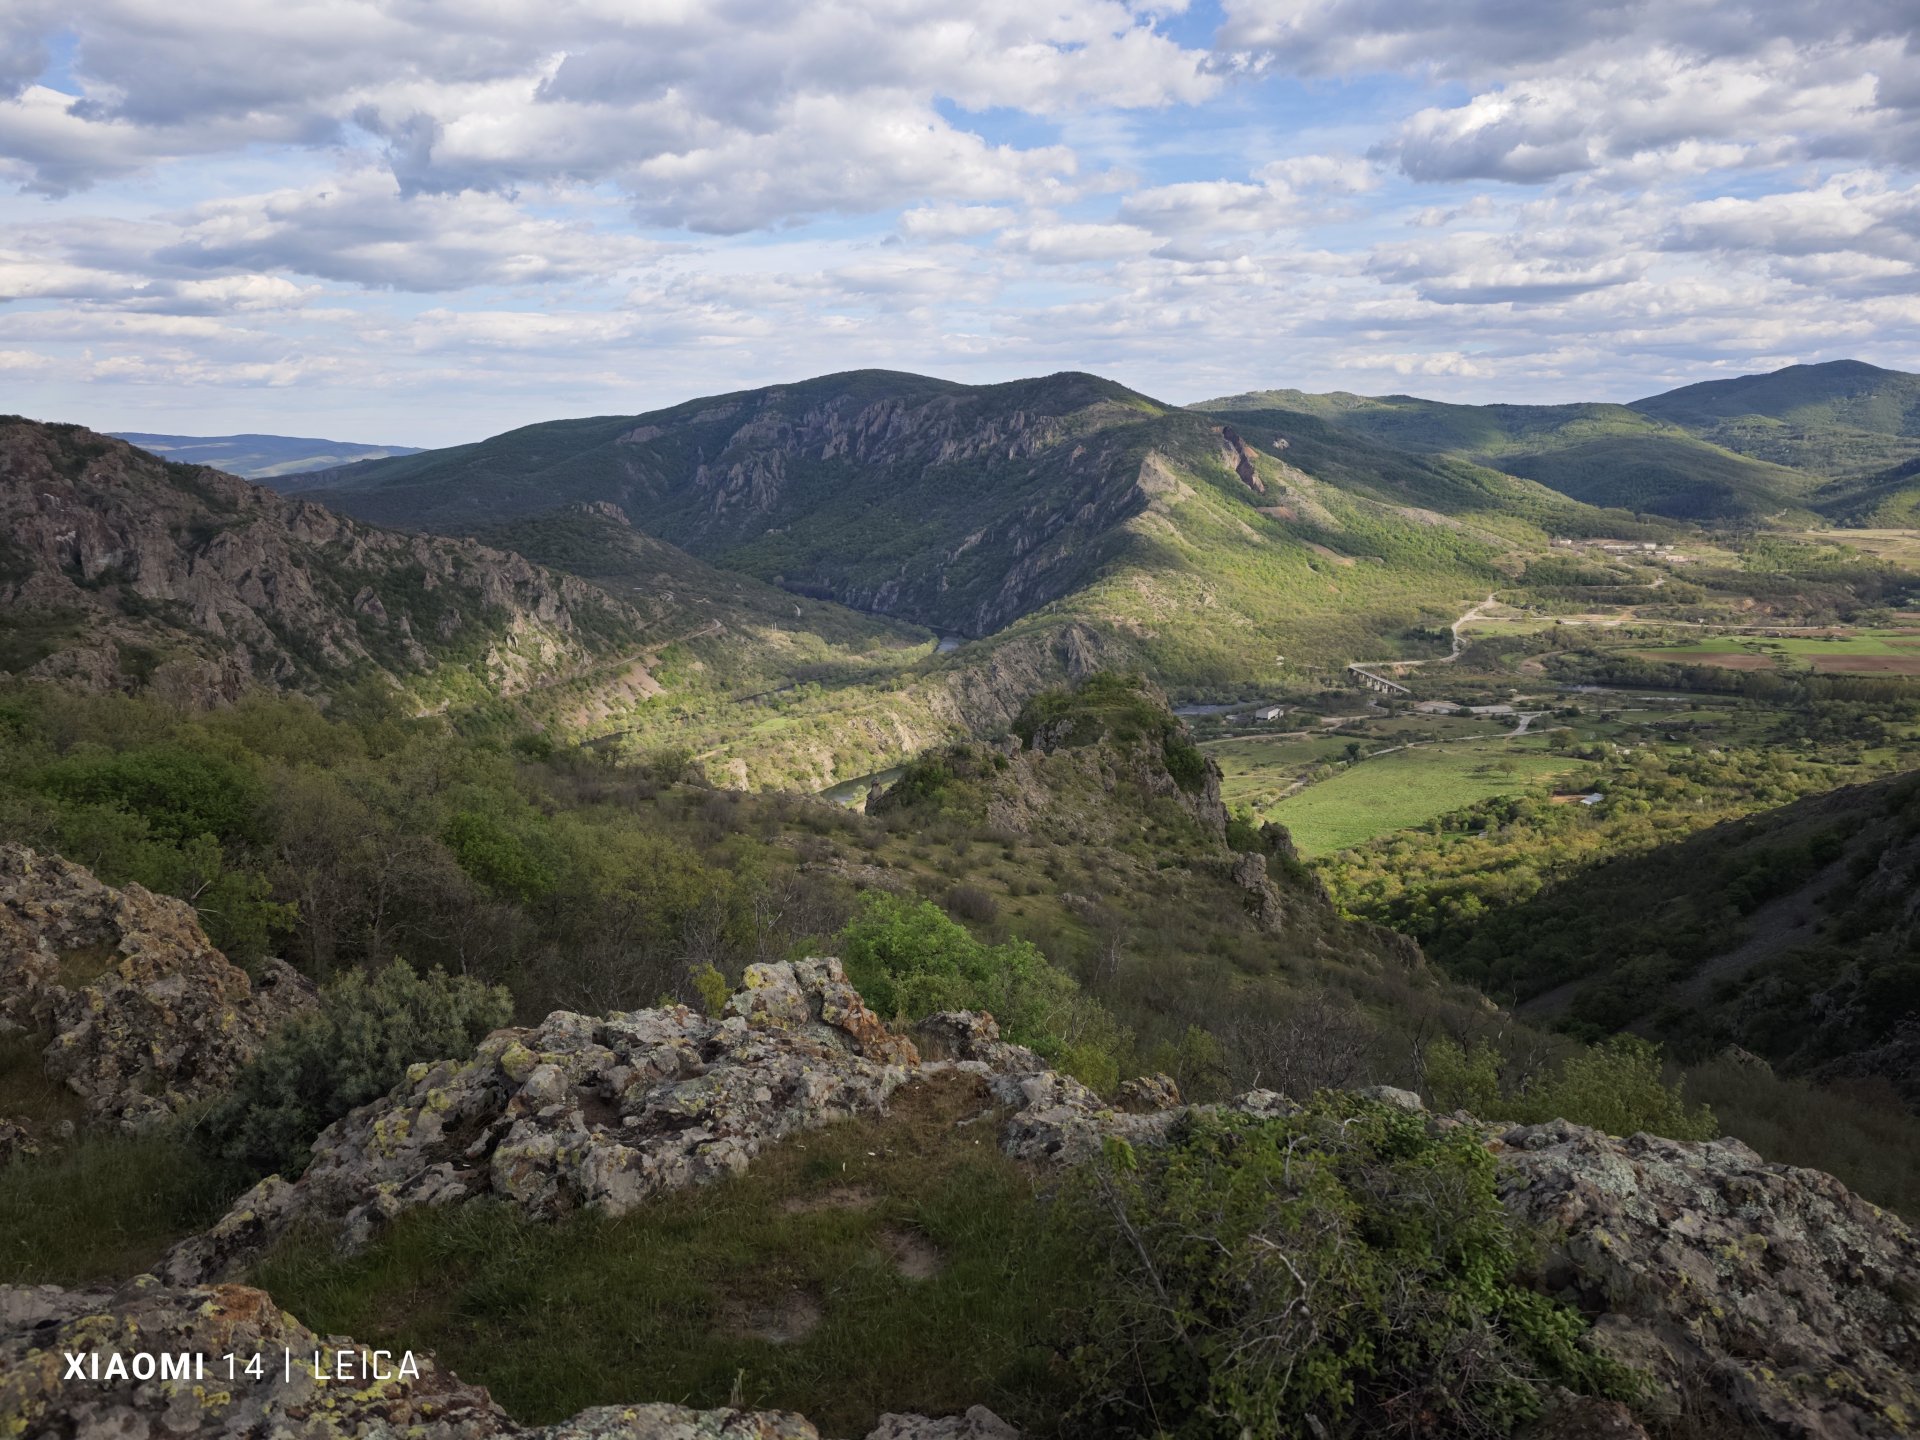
(854, 792)
(948, 643)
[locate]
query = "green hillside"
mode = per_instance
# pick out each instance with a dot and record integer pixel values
(1889, 497)
(1214, 549)
(1608, 456)
(1843, 417)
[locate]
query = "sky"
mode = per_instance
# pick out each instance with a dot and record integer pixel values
(427, 221)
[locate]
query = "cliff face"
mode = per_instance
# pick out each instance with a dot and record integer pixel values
(119, 570)
(961, 508)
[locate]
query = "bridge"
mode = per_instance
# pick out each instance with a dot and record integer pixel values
(1377, 682)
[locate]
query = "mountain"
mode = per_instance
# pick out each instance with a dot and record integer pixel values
(1754, 449)
(1791, 933)
(279, 458)
(1889, 497)
(1201, 547)
(120, 570)
(1609, 456)
(1843, 417)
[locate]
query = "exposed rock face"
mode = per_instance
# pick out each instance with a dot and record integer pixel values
(579, 1112)
(196, 584)
(1770, 1294)
(144, 1015)
(290, 1397)
(1263, 899)
(1789, 1300)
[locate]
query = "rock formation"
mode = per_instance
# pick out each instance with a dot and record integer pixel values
(142, 1015)
(196, 584)
(1775, 1291)
(579, 1111)
(1770, 1295)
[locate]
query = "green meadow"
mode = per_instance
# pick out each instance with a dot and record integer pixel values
(1407, 788)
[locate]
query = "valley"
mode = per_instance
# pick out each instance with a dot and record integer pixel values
(1382, 758)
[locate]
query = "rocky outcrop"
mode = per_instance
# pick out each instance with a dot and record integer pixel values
(195, 584)
(143, 1016)
(1774, 1293)
(1770, 1296)
(583, 1112)
(309, 1386)
(1249, 872)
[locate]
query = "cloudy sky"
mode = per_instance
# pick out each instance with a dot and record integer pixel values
(424, 221)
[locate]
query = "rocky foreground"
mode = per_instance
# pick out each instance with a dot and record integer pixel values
(140, 1014)
(1768, 1296)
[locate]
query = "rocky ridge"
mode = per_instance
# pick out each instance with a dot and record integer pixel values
(143, 1016)
(195, 584)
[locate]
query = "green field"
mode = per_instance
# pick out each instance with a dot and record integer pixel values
(1864, 652)
(1408, 788)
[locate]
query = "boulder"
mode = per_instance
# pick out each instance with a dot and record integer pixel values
(1771, 1293)
(1249, 872)
(582, 1112)
(143, 1015)
(979, 1423)
(1148, 1094)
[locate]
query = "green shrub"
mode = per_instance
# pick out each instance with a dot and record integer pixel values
(1341, 1272)
(179, 793)
(498, 857)
(908, 959)
(1616, 1086)
(353, 1049)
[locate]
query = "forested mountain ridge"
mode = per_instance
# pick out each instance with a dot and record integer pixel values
(1843, 417)
(1754, 448)
(1209, 551)
(122, 571)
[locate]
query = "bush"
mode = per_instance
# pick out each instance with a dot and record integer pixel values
(909, 960)
(353, 1049)
(1339, 1272)
(1616, 1087)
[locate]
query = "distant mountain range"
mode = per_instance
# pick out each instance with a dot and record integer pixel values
(802, 546)
(1806, 441)
(260, 457)
(1203, 547)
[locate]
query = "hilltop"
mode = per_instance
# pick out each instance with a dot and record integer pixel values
(121, 570)
(1755, 448)
(1211, 554)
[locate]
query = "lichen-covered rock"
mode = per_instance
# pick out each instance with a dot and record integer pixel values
(979, 1423)
(1148, 1094)
(308, 1387)
(144, 1015)
(16, 1140)
(1776, 1292)
(581, 1112)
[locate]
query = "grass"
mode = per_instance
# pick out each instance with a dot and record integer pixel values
(1861, 652)
(684, 1299)
(1408, 788)
(26, 1094)
(105, 1206)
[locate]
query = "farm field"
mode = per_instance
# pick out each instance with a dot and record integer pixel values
(1863, 652)
(1900, 547)
(1410, 787)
